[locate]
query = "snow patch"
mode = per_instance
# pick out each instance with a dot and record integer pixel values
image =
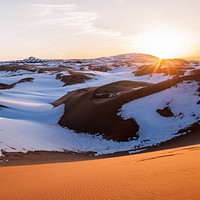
(154, 128)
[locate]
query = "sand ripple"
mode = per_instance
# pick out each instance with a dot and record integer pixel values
(169, 174)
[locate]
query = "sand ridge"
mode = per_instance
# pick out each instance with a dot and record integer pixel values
(169, 174)
(85, 111)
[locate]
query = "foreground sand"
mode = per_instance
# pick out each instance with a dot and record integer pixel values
(167, 174)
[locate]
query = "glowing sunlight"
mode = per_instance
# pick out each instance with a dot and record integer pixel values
(163, 44)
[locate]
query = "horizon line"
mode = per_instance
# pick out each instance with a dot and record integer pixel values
(92, 58)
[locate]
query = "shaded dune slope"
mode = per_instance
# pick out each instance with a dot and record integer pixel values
(16, 67)
(74, 77)
(9, 86)
(94, 114)
(118, 88)
(86, 112)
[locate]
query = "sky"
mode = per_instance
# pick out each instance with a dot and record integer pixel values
(96, 28)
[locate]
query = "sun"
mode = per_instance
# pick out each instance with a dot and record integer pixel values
(163, 44)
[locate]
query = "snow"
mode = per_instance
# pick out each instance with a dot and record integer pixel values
(25, 135)
(156, 128)
(136, 151)
(30, 121)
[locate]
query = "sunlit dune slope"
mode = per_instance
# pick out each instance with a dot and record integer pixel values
(169, 174)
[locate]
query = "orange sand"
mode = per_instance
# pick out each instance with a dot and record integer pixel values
(168, 174)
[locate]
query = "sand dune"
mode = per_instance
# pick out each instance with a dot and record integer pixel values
(169, 174)
(174, 67)
(91, 110)
(9, 86)
(74, 78)
(104, 97)
(16, 67)
(116, 97)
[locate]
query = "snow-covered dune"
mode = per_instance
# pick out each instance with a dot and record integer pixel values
(29, 121)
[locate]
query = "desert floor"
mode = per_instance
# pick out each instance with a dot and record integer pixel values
(165, 174)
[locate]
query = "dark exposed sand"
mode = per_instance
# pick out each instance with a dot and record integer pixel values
(9, 86)
(166, 66)
(16, 67)
(74, 78)
(92, 110)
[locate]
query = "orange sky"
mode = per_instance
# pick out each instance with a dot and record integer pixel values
(88, 28)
